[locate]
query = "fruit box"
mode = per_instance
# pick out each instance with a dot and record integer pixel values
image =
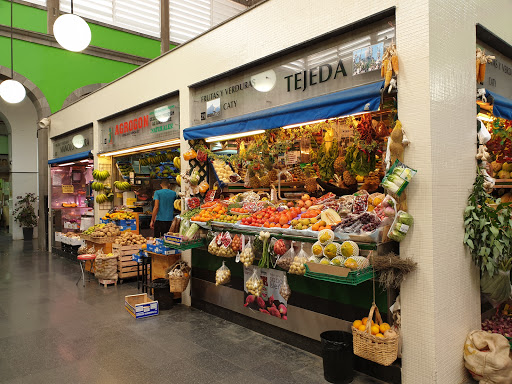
(141, 306)
(328, 269)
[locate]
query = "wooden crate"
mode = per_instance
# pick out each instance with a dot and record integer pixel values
(126, 250)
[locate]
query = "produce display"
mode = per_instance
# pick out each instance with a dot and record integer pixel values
(130, 238)
(103, 230)
(224, 172)
(119, 215)
(125, 168)
(498, 324)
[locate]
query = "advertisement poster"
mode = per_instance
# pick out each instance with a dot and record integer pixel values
(367, 59)
(270, 301)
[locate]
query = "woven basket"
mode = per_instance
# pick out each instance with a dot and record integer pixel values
(179, 284)
(369, 347)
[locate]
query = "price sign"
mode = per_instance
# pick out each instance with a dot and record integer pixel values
(68, 189)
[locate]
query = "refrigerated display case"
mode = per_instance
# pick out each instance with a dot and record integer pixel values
(72, 197)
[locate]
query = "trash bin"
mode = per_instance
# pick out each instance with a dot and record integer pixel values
(162, 294)
(338, 356)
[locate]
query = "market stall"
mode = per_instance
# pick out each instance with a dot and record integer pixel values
(300, 200)
(71, 197)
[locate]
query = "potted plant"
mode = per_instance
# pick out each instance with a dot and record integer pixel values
(24, 214)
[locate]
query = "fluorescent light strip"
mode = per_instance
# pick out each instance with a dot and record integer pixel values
(65, 164)
(485, 117)
(234, 136)
(141, 148)
(320, 121)
(84, 161)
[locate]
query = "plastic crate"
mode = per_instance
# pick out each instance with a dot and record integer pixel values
(353, 278)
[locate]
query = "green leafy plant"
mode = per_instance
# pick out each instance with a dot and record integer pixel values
(24, 212)
(488, 230)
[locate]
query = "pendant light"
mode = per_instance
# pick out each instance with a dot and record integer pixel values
(72, 32)
(11, 90)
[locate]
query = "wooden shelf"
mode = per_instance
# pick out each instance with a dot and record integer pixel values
(503, 183)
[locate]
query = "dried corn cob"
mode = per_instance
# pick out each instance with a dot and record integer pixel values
(383, 68)
(477, 69)
(389, 74)
(394, 63)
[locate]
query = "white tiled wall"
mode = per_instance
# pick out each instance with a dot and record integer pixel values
(436, 43)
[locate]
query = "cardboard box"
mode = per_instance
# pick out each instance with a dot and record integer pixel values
(140, 306)
(328, 269)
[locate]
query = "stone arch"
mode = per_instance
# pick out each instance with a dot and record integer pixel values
(81, 92)
(33, 92)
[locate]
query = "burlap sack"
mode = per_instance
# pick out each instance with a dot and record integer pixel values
(106, 267)
(486, 356)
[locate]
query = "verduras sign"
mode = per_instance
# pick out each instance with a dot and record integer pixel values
(336, 64)
(145, 125)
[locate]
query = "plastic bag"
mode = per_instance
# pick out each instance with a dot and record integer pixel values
(285, 290)
(386, 210)
(247, 255)
(360, 202)
(398, 177)
(184, 226)
(82, 250)
(213, 247)
(189, 155)
(298, 267)
(285, 261)
(400, 226)
(346, 205)
(203, 186)
(222, 275)
(254, 285)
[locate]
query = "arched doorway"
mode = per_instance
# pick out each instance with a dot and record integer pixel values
(28, 145)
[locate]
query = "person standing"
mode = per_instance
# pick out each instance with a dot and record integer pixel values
(163, 210)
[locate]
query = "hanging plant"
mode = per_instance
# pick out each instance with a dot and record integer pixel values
(488, 231)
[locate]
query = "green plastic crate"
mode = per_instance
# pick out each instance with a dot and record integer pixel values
(353, 278)
(187, 245)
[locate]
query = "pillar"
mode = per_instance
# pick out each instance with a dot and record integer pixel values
(164, 26)
(42, 167)
(52, 13)
(441, 300)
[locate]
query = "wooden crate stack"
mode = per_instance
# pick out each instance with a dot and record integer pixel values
(126, 267)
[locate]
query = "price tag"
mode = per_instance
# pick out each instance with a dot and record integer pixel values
(68, 189)
(226, 239)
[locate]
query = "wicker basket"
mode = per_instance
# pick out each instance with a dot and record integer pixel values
(383, 351)
(179, 284)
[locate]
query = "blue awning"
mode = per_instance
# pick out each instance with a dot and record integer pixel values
(347, 102)
(502, 106)
(70, 158)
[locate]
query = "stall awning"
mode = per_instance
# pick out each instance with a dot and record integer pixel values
(347, 102)
(502, 106)
(74, 157)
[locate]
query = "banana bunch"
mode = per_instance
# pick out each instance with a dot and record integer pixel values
(178, 179)
(177, 162)
(101, 198)
(100, 175)
(122, 185)
(90, 230)
(143, 161)
(177, 204)
(97, 186)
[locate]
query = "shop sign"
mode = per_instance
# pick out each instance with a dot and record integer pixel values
(336, 64)
(75, 142)
(272, 281)
(68, 189)
(146, 125)
(498, 74)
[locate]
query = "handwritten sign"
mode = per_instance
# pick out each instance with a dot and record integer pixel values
(68, 189)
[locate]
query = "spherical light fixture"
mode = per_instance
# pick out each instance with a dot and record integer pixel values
(264, 81)
(78, 141)
(163, 114)
(72, 32)
(12, 91)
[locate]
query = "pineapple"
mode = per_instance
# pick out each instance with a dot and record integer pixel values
(254, 181)
(310, 182)
(264, 181)
(272, 174)
(339, 165)
(348, 179)
(270, 171)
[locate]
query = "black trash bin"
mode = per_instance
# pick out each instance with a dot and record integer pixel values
(162, 294)
(338, 356)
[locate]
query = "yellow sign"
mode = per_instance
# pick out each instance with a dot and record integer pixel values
(68, 189)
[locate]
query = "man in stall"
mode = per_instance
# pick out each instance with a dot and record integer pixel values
(163, 211)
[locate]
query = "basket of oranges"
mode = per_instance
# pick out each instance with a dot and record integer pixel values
(179, 276)
(375, 341)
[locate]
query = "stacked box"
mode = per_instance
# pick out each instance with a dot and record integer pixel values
(140, 306)
(126, 266)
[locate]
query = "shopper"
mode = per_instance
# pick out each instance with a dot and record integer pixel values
(163, 211)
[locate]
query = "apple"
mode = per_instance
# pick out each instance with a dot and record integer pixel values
(305, 197)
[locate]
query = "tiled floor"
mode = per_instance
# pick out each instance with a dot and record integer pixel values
(52, 331)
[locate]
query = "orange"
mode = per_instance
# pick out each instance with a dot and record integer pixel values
(362, 328)
(357, 323)
(375, 329)
(384, 327)
(365, 320)
(380, 335)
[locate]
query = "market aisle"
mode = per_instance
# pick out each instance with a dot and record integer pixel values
(53, 332)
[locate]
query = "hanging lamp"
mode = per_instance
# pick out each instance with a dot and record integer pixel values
(72, 32)
(11, 90)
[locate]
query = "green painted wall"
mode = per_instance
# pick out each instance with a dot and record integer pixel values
(58, 72)
(4, 145)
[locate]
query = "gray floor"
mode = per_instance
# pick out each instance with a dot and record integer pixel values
(54, 332)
